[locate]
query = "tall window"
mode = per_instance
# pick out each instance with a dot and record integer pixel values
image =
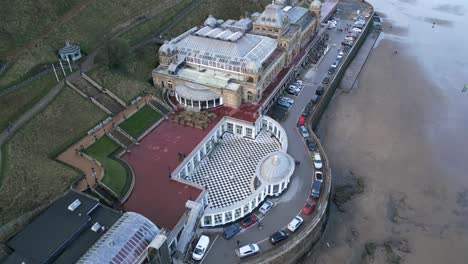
(169, 84)
(248, 132)
(239, 129)
(249, 96)
(230, 127)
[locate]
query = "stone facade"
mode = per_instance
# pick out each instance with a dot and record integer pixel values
(236, 60)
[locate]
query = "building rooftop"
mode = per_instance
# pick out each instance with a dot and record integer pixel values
(125, 242)
(209, 77)
(68, 233)
(296, 13)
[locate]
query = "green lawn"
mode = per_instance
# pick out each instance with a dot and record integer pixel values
(140, 121)
(31, 177)
(115, 173)
(305, 5)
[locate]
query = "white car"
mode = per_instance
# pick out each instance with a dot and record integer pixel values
(266, 206)
(304, 131)
(357, 30)
(317, 161)
(294, 87)
(201, 247)
(349, 38)
(287, 99)
(318, 176)
(295, 223)
(247, 250)
(299, 82)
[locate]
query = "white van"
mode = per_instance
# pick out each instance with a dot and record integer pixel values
(201, 247)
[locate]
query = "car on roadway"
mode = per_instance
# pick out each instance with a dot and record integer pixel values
(287, 99)
(247, 250)
(201, 247)
(305, 112)
(248, 220)
(309, 206)
(284, 104)
(357, 30)
(316, 190)
(301, 121)
(300, 82)
(318, 176)
(349, 38)
(319, 90)
(331, 70)
(266, 206)
(326, 80)
(317, 161)
(292, 92)
(347, 43)
(278, 236)
(334, 64)
(231, 230)
(292, 86)
(367, 15)
(311, 145)
(304, 131)
(314, 98)
(295, 223)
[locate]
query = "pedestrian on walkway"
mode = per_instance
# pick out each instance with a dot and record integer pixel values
(238, 243)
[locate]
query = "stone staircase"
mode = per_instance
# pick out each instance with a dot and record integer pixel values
(160, 107)
(101, 98)
(121, 138)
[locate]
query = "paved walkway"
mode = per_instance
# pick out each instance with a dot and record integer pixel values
(72, 158)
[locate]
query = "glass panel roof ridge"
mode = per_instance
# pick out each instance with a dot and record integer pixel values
(132, 231)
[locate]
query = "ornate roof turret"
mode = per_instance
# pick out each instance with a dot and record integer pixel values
(167, 48)
(211, 21)
(316, 4)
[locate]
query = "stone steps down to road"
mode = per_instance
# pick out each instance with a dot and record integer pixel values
(105, 195)
(121, 138)
(105, 100)
(159, 106)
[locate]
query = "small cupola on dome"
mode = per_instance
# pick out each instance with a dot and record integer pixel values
(275, 168)
(316, 4)
(167, 48)
(211, 21)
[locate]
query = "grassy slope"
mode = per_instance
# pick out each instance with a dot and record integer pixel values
(31, 177)
(16, 103)
(129, 83)
(115, 174)
(140, 121)
(87, 28)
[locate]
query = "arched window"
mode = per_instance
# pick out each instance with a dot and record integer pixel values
(249, 96)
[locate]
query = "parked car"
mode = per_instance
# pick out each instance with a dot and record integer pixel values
(295, 223)
(266, 206)
(331, 70)
(317, 161)
(278, 236)
(319, 90)
(248, 220)
(311, 145)
(231, 230)
(347, 43)
(292, 92)
(334, 64)
(316, 190)
(318, 176)
(314, 97)
(300, 82)
(305, 112)
(339, 56)
(309, 206)
(304, 131)
(349, 38)
(301, 121)
(355, 29)
(326, 80)
(292, 86)
(287, 99)
(309, 104)
(200, 248)
(284, 104)
(248, 250)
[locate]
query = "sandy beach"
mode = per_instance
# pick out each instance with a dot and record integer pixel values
(401, 131)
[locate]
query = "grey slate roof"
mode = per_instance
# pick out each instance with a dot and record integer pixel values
(59, 235)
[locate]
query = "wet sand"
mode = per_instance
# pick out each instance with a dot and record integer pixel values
(402, 130)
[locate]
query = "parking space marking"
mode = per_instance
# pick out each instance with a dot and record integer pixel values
(206, 253)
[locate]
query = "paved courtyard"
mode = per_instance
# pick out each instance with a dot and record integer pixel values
(228, 172)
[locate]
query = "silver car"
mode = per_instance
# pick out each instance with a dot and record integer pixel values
(247, 250)
(266, 206)
(304, 131)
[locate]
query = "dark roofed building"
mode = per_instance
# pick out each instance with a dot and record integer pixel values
(63, 232)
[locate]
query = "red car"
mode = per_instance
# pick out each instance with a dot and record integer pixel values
(309, 206)
(249, 220)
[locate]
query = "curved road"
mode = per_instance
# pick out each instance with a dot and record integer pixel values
(290, 202)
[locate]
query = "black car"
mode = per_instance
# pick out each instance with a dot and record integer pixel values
(311, 145)
(326, 80)
(231, 230)
(319, 90)
(331, 70)
(305, 113)
(278, 236)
